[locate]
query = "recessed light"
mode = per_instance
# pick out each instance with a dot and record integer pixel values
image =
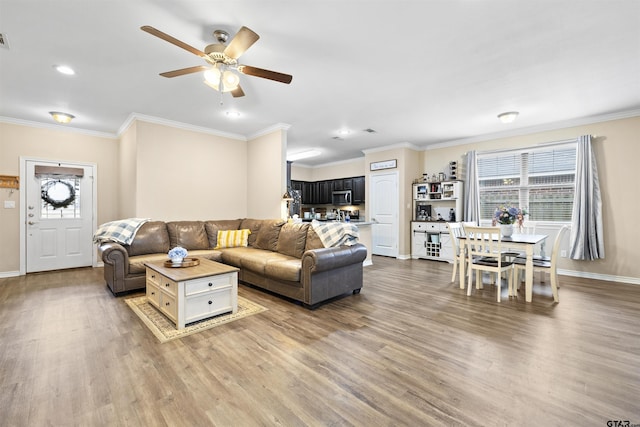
(344, 132)
(233, 114)
(64, 69)
(61, 117)
(508, 117)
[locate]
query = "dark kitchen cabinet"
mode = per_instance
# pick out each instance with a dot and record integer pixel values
(319, 192)
(308, 192)
(324, 192)
(297, 185)
(358, 190)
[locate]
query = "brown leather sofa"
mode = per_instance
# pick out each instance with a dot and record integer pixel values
(285, 258)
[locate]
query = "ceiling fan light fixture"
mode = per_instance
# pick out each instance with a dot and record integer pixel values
(211, 85)
(508, 117)
(230, 80)
(212, 76)
(60, 117)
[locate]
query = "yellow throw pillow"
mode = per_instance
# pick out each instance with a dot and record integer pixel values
(232, 238)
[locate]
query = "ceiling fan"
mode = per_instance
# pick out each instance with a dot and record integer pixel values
(223, 58)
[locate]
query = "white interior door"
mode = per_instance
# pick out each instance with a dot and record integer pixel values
(58, 215)
(384, 211)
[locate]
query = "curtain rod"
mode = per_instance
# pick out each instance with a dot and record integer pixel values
(540, 144)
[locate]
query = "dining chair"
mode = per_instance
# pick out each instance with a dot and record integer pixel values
(455, 231)
(484, 253)
(540, 256)
(545, 266)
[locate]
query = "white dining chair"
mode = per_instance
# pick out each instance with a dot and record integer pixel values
(484, 253)
(545, 266)
(455, 231)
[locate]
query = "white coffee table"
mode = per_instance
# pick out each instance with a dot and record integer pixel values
(189, 294)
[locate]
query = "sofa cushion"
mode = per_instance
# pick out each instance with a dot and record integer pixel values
(288, 269)
(255, 260)
(292, 239)
(188, 234)
(253, 225)
(151, 238)
(136, 263)
(212, 228)
(234, 256)
(313, 240)
(232, 238)
(268, 235)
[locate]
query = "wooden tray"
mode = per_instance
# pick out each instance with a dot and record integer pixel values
(186, 262)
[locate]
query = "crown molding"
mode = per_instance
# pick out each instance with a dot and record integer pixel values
(392, 147)
(278, 126)
(179, 125)
(62, 128)
(336, 163)
(582, 121)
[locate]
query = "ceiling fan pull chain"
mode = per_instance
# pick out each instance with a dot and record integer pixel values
(220, 88)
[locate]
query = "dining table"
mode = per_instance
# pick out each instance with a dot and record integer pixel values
(519, 241)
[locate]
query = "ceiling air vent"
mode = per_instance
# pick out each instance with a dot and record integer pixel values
(369, 130)
(3, 41)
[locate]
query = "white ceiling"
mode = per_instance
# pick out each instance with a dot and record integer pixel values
(419, 72)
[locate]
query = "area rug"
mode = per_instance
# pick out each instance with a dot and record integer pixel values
(165, 330)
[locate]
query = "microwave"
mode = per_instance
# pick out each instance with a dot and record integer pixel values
(341, 197)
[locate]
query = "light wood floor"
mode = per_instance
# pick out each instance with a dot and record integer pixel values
(412, 349)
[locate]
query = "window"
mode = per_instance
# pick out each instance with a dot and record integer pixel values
(60, 198)
(541, 180)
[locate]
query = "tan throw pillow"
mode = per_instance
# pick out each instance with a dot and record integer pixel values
(232, 238)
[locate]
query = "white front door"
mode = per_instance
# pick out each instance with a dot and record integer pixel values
(58, 215)
(384, 213)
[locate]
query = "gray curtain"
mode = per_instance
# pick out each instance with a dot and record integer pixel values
(471, 190)
(587, 239)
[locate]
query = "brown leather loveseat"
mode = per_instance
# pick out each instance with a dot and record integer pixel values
(288, 259)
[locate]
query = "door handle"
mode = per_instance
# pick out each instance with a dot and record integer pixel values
(32, 222)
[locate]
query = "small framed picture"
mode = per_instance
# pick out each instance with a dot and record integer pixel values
(386, 164)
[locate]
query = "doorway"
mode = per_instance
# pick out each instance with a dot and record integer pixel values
(57, 215)
(384, 212)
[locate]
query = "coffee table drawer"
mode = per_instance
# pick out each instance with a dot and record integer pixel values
(154, 277)
(207, 284)
(169, 306)
(169, 286)
(153, 294)
(209, 304)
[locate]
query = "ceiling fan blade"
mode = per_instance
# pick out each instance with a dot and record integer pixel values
(265, 74)
(237, 92)
(183, 71)
(241, 42)
(172, 40)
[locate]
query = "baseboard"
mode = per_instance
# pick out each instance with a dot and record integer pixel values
(4, 274)
(597, 276)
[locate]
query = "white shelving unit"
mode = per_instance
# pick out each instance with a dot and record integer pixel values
(429, 237)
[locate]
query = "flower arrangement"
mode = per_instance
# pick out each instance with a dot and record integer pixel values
(178, 252)
(509, 215)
